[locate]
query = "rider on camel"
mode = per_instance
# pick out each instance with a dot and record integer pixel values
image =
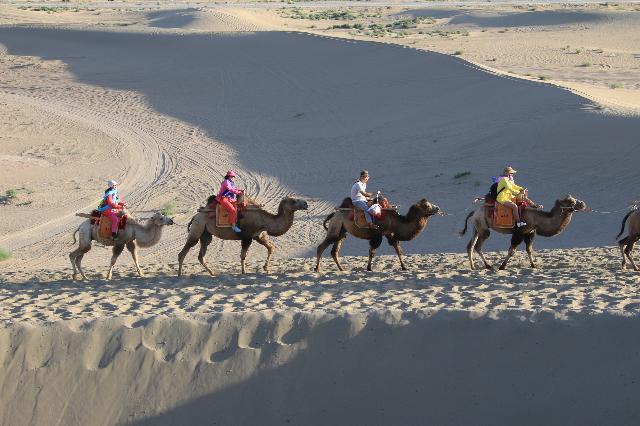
(227, 197)
(359, 197)
(112, 207)
(508, 192)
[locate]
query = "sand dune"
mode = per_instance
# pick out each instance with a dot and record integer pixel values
(165, 98)
(313, 368)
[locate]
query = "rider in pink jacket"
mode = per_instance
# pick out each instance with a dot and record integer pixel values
(226, 197)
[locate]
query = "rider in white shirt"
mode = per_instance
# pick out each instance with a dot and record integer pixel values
(359, 196)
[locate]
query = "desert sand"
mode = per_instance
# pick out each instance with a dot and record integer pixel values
(433, 101)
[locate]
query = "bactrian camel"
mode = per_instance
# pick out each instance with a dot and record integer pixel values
(394, 226)
(627, 243)
(256, 224)
(538, 222)
(133, 235)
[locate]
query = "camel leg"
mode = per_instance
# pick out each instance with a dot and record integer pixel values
(335, 251)
(396, 245)
(116, 252)
(321, 248)
(72, 258)
(246, 243)
(326, 243)
(133, 249)
(263, 239)
(629, 252)
(622, 244)
(205, 240)
(76, 260)
(478, 248)
(183, 253)
(374, 243)
(528, 239)
(516, 239)
(471, 246)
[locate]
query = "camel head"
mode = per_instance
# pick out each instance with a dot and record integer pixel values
(426, 208)
(293, 204)
(158, 219)
(569, 203)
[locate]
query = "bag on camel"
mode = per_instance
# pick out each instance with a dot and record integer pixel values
(375, 210)
(493, 191)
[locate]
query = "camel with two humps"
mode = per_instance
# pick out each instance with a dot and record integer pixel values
(539, 222)
(394, 226)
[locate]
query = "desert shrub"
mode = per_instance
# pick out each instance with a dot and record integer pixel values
(461, 174)
(4, 254)
(169, 209)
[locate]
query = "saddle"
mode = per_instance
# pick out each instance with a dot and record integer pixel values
(104, 223)
(501, 216)
(357, 214)
(221, 215)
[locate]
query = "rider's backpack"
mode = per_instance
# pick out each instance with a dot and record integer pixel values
(493, 192)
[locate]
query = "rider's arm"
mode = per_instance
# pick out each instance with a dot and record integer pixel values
(111, 202)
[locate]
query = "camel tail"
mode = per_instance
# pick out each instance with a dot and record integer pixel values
(74, 235)
(324, 224)
(624, 221)
(464, 231)
(189, 225)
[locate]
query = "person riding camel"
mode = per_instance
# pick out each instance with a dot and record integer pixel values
(508, 191)
(112, 207)
(226, 197)
(359, 197)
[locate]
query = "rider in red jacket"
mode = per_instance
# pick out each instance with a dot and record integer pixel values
(226, 197)
(112, 207)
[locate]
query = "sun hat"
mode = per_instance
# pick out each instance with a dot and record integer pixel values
(509, 170)
(231, 173)
(112, 183)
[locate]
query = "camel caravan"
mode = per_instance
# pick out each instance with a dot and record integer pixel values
(230, 215)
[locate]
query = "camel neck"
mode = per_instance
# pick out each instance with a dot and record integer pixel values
(148, 234)
(553, 222)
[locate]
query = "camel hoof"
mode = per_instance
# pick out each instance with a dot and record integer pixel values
(489, 267)
(502, 267)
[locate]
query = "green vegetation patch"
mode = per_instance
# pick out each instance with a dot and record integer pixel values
(169, 209)
(462, 174)
(4, 254)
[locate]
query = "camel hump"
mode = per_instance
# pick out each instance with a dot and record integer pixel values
(346, 203)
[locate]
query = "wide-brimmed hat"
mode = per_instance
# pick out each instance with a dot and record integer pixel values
(231, 173)
(509, 170)
(111, 183)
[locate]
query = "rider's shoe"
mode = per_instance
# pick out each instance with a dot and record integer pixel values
(521, 224)
(236, 229)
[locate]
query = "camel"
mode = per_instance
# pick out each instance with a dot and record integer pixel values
(627, 243)
(393, 226)
(539, 222)
(133, 235)
(256, 224)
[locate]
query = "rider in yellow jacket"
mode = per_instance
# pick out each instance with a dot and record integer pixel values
(508, 191)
